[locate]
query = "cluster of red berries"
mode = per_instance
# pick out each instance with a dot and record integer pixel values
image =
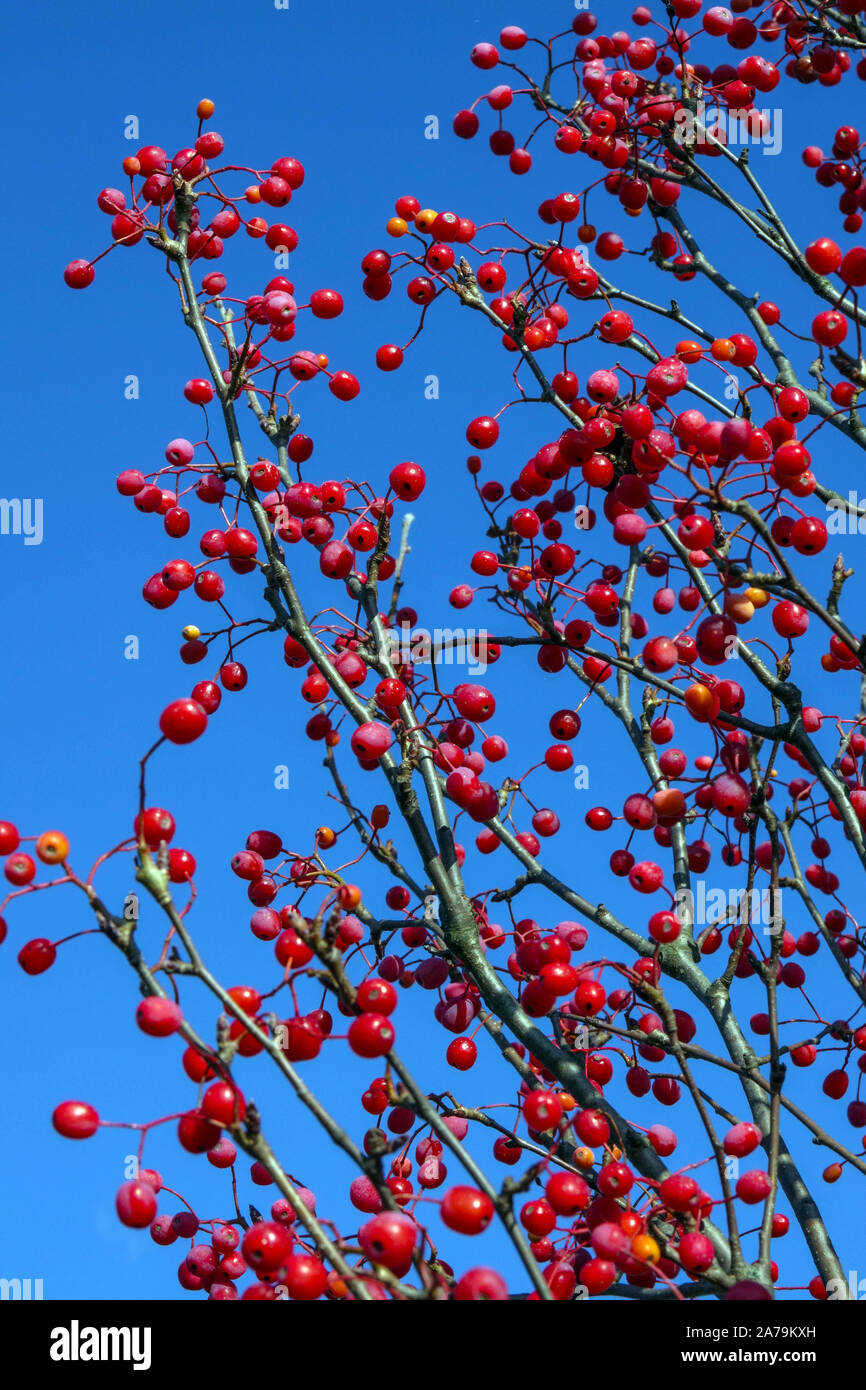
(299, 511)
(302, 512)
(843, 169)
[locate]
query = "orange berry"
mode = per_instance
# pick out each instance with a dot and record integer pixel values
(425, 219)
(566, 1101)
(322, 360)
(701, 703)
(723, 350)
(643, 1247)
(689, 351)
(584, 1158)
(739, 607)
(348, 896)
(52, 847)
(325, 837)
(395, 226)
(205, 109)
(131, 165)
(253, 194)
(670, 804)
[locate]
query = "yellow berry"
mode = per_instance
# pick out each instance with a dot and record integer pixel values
(758, 598)
(191, 632)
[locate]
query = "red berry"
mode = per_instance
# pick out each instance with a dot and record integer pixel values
(567, 1193)
(597, 1275)
(376, 996)
(266, 1246)
(37, 956)
(196, 1133)
(344, 386)
(158, 1017)
(9, 837)
(829, 328)
(481, 1285)
(389, 1240)
(542, 1110)
(823, 256)
(466, 1210)
(198, 391)
(223, 1103)
(75, 1119)
(408, 481)
(483, 432)
(678, 1192)
(754, 1186)
(371, 740)
(19, 869)
(183, 721)
(696, 1252)
(461, 1054)
(136, 1204)
(371, 1035)
(592, 1128)
(305, 1278)
(78, 275)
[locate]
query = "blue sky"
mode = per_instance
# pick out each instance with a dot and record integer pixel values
(350, 93)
